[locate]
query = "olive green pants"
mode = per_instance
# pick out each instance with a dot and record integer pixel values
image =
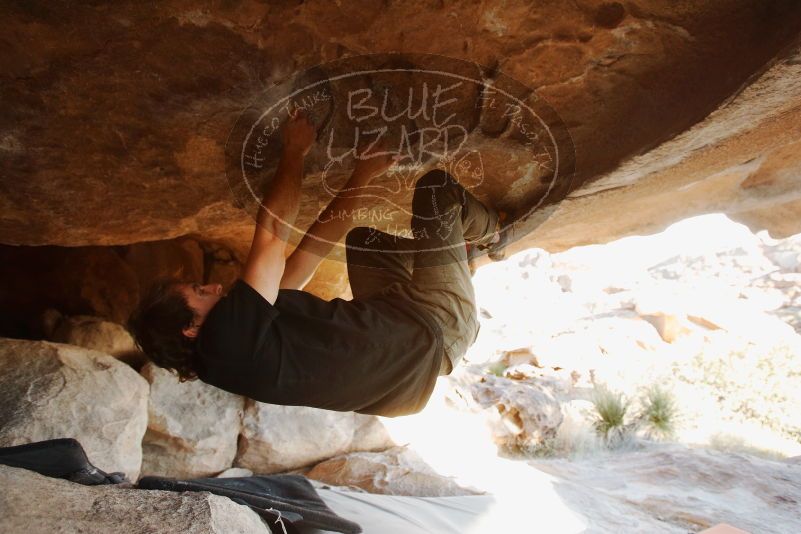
(431, 269)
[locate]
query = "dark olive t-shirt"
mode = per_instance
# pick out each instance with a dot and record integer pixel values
(374, 355)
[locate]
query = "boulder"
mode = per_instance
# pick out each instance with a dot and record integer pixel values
(180, 258)
(742, 160)
(665, 489)
(75, 281)
(785, 254)
(674, 488)
(96, 334)
(49, 390)
(32, 503)
(396, 471)
(669, 326)
(583, 346)
(521, 413)
(624, 77)
(278, 438)
(519, 356)
(235, 472)
(192, 427)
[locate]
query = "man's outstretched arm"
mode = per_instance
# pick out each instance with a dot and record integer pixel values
(330, 227)
(264, 266)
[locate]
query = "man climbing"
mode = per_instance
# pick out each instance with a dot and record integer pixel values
(411, 319)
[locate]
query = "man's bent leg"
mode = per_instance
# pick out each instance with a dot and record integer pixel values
(444, 216)
(376, 260)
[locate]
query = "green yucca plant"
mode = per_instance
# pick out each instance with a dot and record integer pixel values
(610, 411)
(496, 368)
(659, 413)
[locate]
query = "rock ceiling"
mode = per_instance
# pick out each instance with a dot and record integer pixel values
(115, 117)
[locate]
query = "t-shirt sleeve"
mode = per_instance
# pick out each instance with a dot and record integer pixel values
(238, 325)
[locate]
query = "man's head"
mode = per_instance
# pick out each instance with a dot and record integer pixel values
(200, 299)
(168, 319)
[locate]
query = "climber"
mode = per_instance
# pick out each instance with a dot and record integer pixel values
(411, 319)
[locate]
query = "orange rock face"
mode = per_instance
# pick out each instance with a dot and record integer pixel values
(116, 117)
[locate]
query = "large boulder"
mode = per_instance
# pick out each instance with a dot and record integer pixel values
(50, 390)
(396, 471)
(678, 489)
(192, 427)
(520, 413)
(32, 503)
(94, 333)
(741, 160)
(278, 438)
(661, 490)
(669, 326)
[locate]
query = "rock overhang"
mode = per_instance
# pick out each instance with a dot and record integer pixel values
(125, 122)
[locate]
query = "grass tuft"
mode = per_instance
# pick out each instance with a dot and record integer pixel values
(497, 369)
(658, 415)
(610, 411)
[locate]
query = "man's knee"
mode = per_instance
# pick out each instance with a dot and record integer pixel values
(356, 241)
(435, 178)
(439, 187)
(445, 367)
(357, 237)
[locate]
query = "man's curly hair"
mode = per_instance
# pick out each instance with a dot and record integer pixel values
(157, 323)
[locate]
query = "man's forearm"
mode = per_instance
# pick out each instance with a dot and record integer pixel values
(264, 266)
(329, 228)
(281, 203)
(335, 220)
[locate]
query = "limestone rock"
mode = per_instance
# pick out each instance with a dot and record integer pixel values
(180, 258)
(78, 281)
(396, 471)
(520, 356)
(50, 390)
(192, 427)
(278, 438)
(683, 489)
(659, 489)
(521, 412)
(669, 326)
(742, 160)
(731, 374)
(565, 282)
(32, 503)
(74, 281)
(235, 472)
(624, 77)
(48, 321)
(96, 334)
